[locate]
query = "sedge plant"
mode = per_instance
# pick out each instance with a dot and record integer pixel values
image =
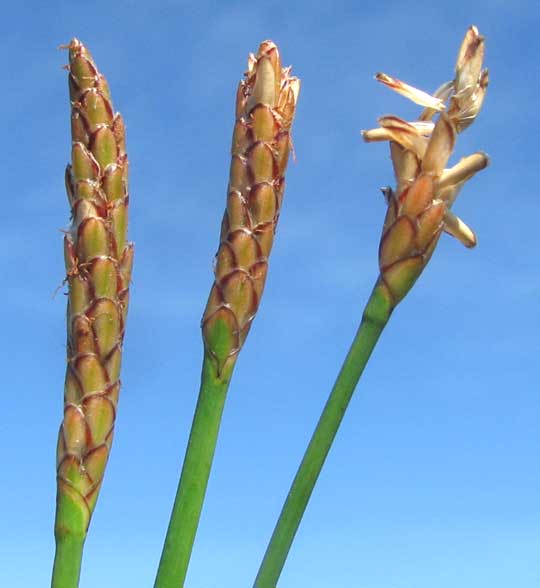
(265, 107)
(98, 262)
(418, 212)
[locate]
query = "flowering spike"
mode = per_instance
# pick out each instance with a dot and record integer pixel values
(265, 106)
(98, 275)
(419, 208)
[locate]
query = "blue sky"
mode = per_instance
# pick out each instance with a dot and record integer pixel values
(434, 478)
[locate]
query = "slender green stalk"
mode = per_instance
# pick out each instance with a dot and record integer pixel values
(194, 479)
(418, 211)
(373, 322)
(265, 107)
(67, 560)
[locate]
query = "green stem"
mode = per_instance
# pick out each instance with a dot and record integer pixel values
(374, 320)
(194, 478)
(67, 561)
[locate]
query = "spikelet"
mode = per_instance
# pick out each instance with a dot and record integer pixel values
(419, 207)
(265, 108)
(98, 264)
